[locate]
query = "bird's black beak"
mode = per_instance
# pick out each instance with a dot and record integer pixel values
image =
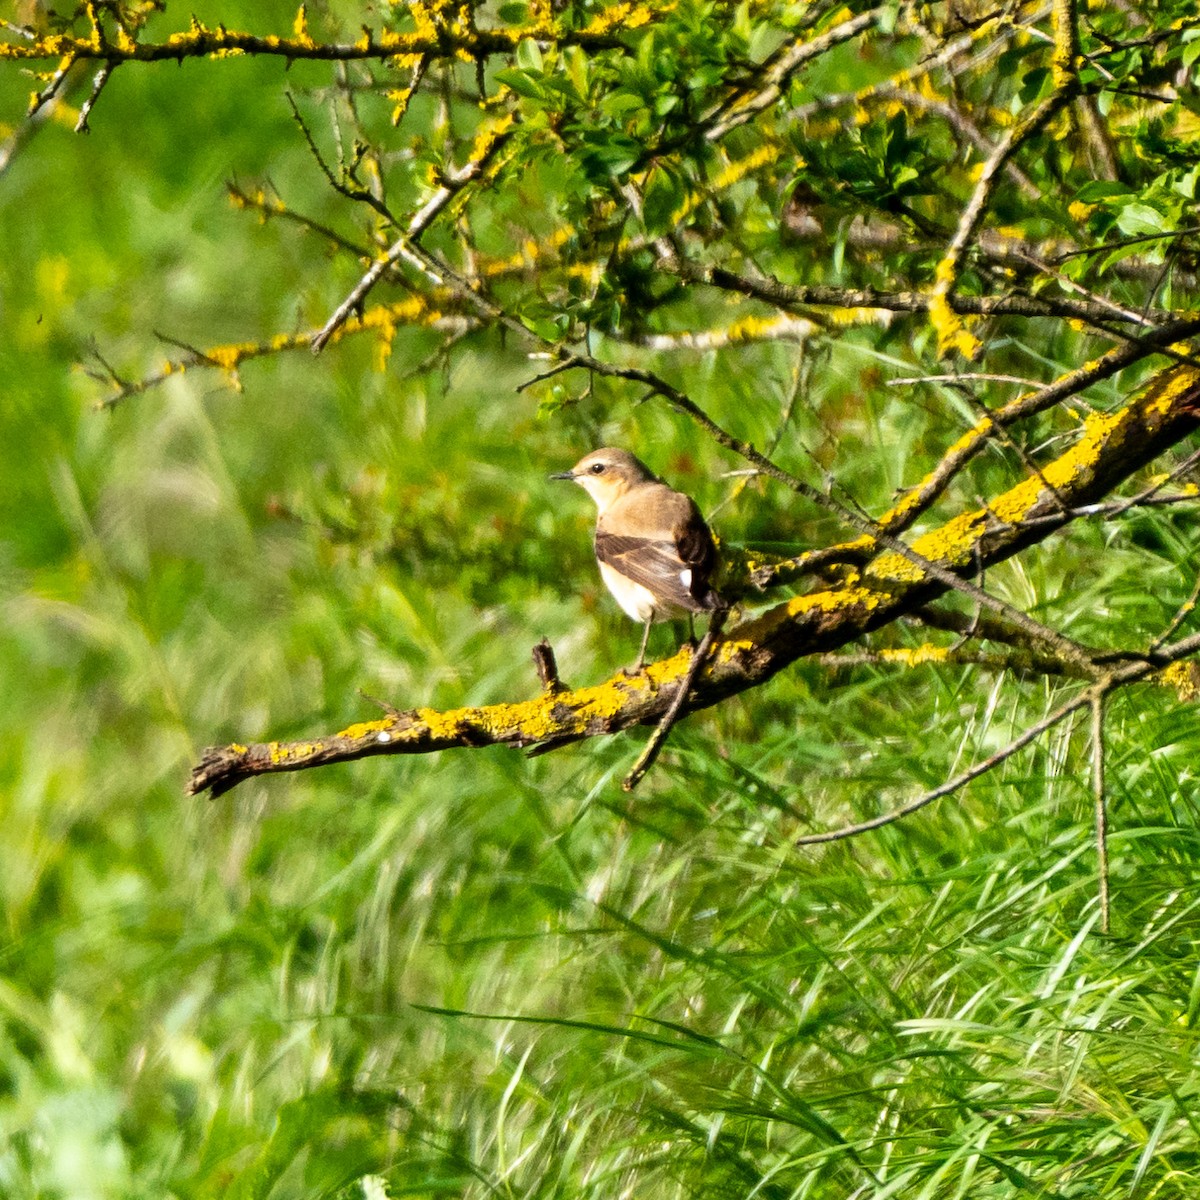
(563, 475)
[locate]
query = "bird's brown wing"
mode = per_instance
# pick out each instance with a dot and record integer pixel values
(695, 546)
(656, 564)
(657, 537)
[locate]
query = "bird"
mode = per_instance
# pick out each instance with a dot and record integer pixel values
(655, 552)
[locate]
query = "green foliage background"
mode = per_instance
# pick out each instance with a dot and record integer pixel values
(477, 974)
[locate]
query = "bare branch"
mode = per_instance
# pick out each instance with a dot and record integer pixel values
(1097, 706)
(102, 77)
(951, 785)
(659, 738)
(798, 298)
(1132, 672)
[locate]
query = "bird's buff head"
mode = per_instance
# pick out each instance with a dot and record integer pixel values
(607, 474)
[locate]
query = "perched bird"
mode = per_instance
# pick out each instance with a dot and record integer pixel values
(655, 552)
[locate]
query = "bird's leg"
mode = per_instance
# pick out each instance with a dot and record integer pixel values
(691, 631)
(641, 654)
(646, 641)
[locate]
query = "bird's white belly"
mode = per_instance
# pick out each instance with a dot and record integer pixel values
(636, 600)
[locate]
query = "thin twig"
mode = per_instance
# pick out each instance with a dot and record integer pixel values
(1156, 487)
(946, 273)
(799, 297)
(1105, 247)
(964, 377)
(52, 88)
(1020, 660)
(101, 77)
(952, 785)
(744, 108)
(1097, 703)
(659, 737)
(546, 666)
(279, 210)
(404, 246)
(1132, 670)
(1181, 615)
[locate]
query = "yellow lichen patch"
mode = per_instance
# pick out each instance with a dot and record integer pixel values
(738, 170)
(738, 563)
(258, 199)
(489, 136)
(859, 316)
(832, 601)
(1184, 677)
(238, 748)
(365, 728)
(733, 173)
(947, 324)
(1098, 429)
(97, 32)
(917, 655)
(669, 670)
(751, 329)
(228, 357)
(605, 700)
(726, 650)
(628, 16)
(926, 89)
(1015, 504)
(281, 752)
(529, 720)
(949, 545)
(1167, 388)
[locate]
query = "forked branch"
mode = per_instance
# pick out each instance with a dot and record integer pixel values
(1112, 447)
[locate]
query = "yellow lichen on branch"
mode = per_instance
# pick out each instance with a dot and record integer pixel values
(1111, 448)
(952, 334)
(384, 320)
(430, 37)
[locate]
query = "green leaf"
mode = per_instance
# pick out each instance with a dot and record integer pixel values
(545, 327)
(1034, 85)
(1191, 49)
(522, 83)
(529, 55)
(662, 199)
(609, 154)
(1101, 189)
(1136, 219)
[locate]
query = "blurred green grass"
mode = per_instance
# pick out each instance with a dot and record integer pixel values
(475, 974)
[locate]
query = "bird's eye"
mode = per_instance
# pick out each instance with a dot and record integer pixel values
(597, 468)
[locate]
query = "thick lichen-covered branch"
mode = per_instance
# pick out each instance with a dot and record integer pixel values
(918, 499)
(430, 37)
(1112, 447)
